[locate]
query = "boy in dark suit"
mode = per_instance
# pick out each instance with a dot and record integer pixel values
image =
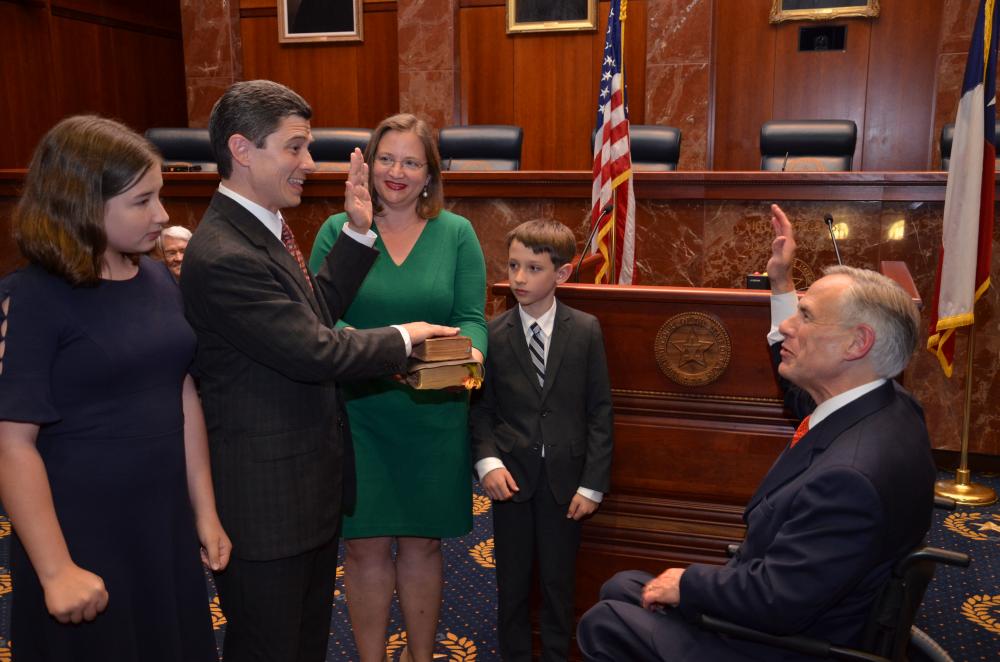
(541, 434)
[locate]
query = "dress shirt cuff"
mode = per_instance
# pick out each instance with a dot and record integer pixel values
(365, 239)
(783, 306)
(486, 465)
(588, 493)
(406, 337)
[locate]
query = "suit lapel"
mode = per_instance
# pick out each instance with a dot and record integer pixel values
(519, 346)
(562, 331)
(793, 461)
(258, 234)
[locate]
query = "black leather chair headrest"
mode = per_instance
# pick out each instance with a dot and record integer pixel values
(335, 144)
(826, 145)
(185, 145)
(654, 147)
(948, 135)
(481, 147)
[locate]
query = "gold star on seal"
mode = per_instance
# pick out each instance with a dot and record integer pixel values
(692, 350)
(989, 526)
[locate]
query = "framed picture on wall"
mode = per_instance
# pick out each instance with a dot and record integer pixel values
(821, 10)
(319, 20)
(551, 15)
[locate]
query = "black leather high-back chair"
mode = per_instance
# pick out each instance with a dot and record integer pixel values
(654, 147)
(481, 147)
(948, 135)
(183, 148)
(889, 631)
(807, 145)
(332, 146)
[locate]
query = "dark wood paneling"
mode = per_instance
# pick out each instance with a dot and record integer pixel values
(140, 79)
(26, 86)
(347, 83)
(376, 68)
(743, 65)
(822, 84)
(159, 14)
(486, 57)
(545, 83)
(111, 57)
(555, 79)
(899, 113)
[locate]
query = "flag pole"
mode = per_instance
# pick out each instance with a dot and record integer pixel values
(612, 274)
(962, 489)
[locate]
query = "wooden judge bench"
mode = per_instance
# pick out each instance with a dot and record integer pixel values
(698, 414)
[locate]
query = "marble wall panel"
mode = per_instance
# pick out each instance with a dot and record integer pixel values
(677, 95)
(430, 95)
(678, 31)
(678, 54)
(669, 242)
(428, 59)
(212, 53)
(957, 21)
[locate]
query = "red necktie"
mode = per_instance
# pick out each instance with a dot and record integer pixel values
(288, 239)
(800, 432)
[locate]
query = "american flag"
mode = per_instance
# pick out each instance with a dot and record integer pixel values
(967, 233)
(613, 162)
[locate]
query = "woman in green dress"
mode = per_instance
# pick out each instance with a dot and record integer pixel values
(411, 447)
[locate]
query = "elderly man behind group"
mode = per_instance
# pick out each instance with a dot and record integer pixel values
(850, 495)
(170, 247)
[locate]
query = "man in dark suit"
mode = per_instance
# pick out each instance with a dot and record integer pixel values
(849, 497)
(268, 359)
(542, 439)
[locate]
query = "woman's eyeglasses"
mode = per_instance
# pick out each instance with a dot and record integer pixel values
(387, 162)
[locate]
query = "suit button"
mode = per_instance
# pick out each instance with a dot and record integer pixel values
(545, 412)
(536, 447)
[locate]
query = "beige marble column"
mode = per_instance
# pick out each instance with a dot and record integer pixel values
(428, 75)
(212, 57)
(678, 53)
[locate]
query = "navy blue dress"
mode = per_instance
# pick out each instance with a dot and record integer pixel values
(100, 370)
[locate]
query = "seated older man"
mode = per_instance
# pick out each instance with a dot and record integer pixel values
(850, 495)
(170, 247)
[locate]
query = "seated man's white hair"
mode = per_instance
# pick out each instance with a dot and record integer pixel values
(880, 303)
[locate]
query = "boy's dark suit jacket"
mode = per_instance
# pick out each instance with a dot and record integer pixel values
(267, 359)
(571, 415)
(824, 528)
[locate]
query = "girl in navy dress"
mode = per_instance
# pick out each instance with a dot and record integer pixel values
(103, 455)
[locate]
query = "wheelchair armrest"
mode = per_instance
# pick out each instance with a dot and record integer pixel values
(944, 503)
(795, 643)
(937, 555)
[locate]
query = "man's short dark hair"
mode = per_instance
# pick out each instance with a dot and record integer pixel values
(253, 109)
(544, 236)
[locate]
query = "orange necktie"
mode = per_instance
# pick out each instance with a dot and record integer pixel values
(800, 432)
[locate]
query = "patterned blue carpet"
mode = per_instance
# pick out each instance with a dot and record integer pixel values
(961, 610)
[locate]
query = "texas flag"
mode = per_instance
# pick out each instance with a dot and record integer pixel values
(966, 241)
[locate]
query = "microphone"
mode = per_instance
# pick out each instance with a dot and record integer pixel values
(784, 164)
(829, 225)
(583, 252)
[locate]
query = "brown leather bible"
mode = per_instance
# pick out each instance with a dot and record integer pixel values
(443, 349)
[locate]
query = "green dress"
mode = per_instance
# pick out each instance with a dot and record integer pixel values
(412, 447)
